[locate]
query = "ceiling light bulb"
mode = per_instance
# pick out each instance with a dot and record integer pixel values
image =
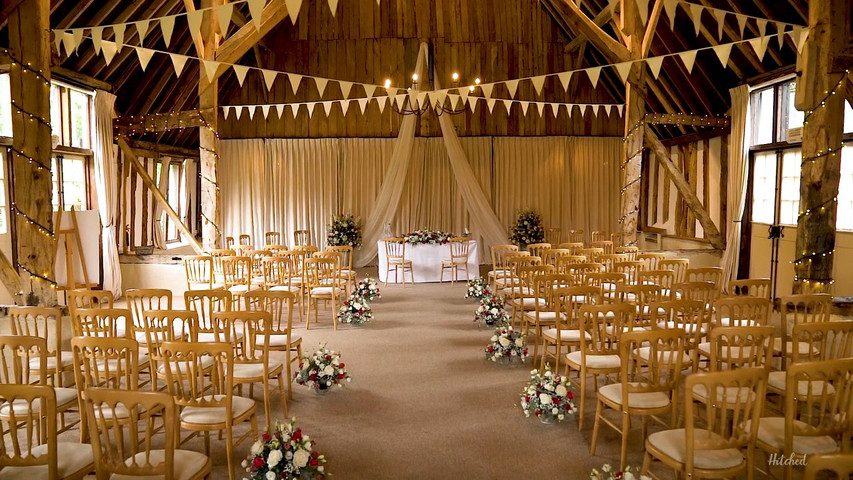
(387, 83)
(471, 88)
(455, 77)
(477, 80)
(414, 77)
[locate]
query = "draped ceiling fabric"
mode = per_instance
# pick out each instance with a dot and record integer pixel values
(738, 157)
(288, 184)
(106, 181)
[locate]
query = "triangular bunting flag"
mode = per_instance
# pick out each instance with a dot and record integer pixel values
(689, 58)
(595, 109)
(538, 82)
(669, 7)
(491, 104)
(226, 111)
(256, 8)
(77, 33)
(369, 90)
(608, 109)
(57, 39)
(293, 7)
(620, 108)
(240, 71)
(593, 74)
(400, 100)
(167, 25)
(455, 101)
(512, 87)
(194, 20)
(524, 107)
(210, 68)
(252, 112)
(472, 104)
(741, 23)
(310, 107)
(142, 29)
(265, 109)
(269, 78)
(795, 35)
(642, 10)
(380, 101)
(696, 15)
(624, 69)
(541, 107)
(762, 27)
(414, 101)
(144, 55)
(555, 109)
(362, 104)
(327, 106)
(720, 16)
(507, 105)
(345, 88)
(294, 110)
(223, 14)
(333, 5)
(392, 92)
(321, 85)
(344, 107)
(97, 37)
(487, 89)
(109, 51)
(723, 51)
(295, 80)
(239, 112)
(565, 78)
(780, 34)
(279, 109)
(118, 30)
(463, 93)
(68, 43)
(654, 64)
(760, 46)
(422, 99)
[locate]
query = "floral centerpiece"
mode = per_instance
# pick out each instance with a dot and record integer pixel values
(285, 453)
(344, 230)
(368, 289)
(355, 310)
(431, 237)
(477, 288)
(491, 311)
(527, 228)
(506, 345)
(322, 369)
(609, 473)
(547, 396)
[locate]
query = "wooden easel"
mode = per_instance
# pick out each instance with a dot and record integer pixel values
(67, 236)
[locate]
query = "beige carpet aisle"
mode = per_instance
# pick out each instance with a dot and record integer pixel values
(424, 403)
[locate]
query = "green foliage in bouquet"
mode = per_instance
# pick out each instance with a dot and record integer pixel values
(344, 230)
(527, 228)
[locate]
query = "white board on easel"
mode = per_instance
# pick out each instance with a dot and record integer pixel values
(89, 229)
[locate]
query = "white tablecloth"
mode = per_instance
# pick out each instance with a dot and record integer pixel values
(426, 262)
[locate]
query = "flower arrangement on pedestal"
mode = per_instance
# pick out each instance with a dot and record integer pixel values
(367, 289)
(609, 473)
(431, 237)
(322, 369)
(491, 311)
(285, 453)
(527, 228)
(506, 345)
(355, 310)
(477, 288)
(344, 230)
(547, 396)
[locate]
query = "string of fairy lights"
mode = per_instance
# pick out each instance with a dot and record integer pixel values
(33, 162)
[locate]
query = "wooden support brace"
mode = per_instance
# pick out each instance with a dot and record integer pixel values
(687, 193)
(684, 119)
(152, 149)
(159, 122)
(11, 280)
(158, 195)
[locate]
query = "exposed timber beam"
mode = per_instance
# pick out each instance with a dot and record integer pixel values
(651, 26)
(571, 15)
(10, 279)
(149, 149)
(77, 77)
(601, 19)
(158, 122)
(692, 120)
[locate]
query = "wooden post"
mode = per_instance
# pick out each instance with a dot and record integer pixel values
(821, 169)
(29, 45)
(211, 210)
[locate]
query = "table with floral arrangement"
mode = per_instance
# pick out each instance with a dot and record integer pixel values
(426, 249)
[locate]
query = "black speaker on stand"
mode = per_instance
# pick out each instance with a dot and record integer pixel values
(774, 234)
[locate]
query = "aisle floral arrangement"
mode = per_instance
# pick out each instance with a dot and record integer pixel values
(507, 344)
(367, 289)
(322, 369)
(477, 288)
(355, 310)
(491, 311)
(527, 228)
(428, 237)
(547, 396)
(344, 230)
(285, 453)
(609, 473)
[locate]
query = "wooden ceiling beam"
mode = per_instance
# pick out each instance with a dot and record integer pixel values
(157, 122)
(601, 19)
(743, 48)
(149, 149)
(165, 75)
(567, 13)
(754, 30)
(196, 36)
(692, 120)
(73, 14)
(651, 26)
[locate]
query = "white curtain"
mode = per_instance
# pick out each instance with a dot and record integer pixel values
(106, 182)
(738, 157)
(592, 184)
(159, 212)
(188, 186)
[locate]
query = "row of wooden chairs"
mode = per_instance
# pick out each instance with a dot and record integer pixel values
(300, 237)
(554, 236)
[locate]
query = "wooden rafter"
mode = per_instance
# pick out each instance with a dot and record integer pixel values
(601, 19)
(75, 13)
(158, 122)
(151, 149)
(651, 27)
(692, 120)
(569, 13)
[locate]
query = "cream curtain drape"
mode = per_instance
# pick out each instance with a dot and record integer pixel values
(738, 157)
(106, 183)
(159, 211)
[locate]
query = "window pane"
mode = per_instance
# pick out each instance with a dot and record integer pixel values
(79, 119)
(56, 112)
(790, 194)
(762, 116)
(844, 219)
(54, 173)
(848, 118)
(764, 187)
(74, 183)
(793, 117)
(5, 107)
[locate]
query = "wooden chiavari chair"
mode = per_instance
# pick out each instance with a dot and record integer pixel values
(199, 271)
(229, 242)
(499, 270)
(245, 239)
(677, 265)
(301, 237)
(598, 236)
(797, 309)
(642, 297)
(323, 283)
(44, 322)
(538, 249)
(741, 311)
(607, 282)
(553, 235)
(524, 298)
(217, 255)
(629, 250)
(238, 276)
(395, 256)
(565, 262)
(272, 238)
(689, 316)
(580, 271)
(547, 307)
(347, 271)
(605, 245)
(512, 284)
(458, 259)
(206, 303)
(576, 236)
(664, 278)
(651, 260)
(610, 259)
(573, 247)
(592, 254)
(553, 255)
(279, 305)
(564, 336)
(750, 287)
(630, 269)
(706, 274)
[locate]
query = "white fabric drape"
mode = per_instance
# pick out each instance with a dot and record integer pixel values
(159, 212)
(738, 158)
(106, 183)
(593, 184)
(188, 184)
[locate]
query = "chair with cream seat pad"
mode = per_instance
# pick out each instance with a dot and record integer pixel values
(599, 346)
(576, 235)
(551, 256)
(592, 254)
(565, 335)
(32, 456)
(509, 279)
(125, 450)
(323, 283)
(524, 297)
(272, 238)
(499, 270)
(689, 316)
(839, 464)
(237, 274)
(395, 258)
(190, 383)
(610, 259)
(717, 450)
(629, 268)
(301, 237)
(605, 245)
(741, 311)
(280, 306)
(797, 309)
(161, 326)
(141, 300)
(43, 322)
(546, 307)
(206, 303)
(200, 274)
(573, 247)
(458, 259)
(88, 298)
(538, 249)
(648, 386)
(678, 266)
(642, 297)
(597, 236)
(630, 250)
(651, 260)
(607, 282)
(750, 287)
(348, 273)
(664, 278)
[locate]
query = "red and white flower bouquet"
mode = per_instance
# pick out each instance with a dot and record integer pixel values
(285, 453)
(322, 369)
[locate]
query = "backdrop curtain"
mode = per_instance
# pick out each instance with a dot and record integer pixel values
(106, 185)
(159, 212)
(738, 157)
